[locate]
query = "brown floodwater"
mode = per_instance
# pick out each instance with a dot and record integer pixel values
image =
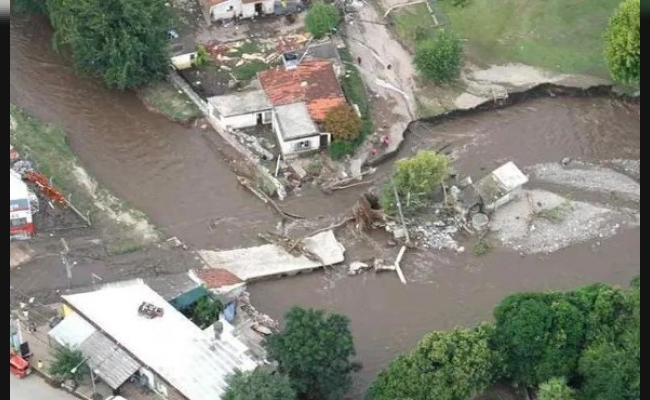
(186, 187)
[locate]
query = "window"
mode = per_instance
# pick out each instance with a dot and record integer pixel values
(192, 57)
(17, 222)
(230, 8)
(303, 145)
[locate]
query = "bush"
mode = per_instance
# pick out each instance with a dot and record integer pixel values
(439, 59)
(623, 43)
(68, 362)
(415, 179)
(206, 311)
(341, 148)
(555, 389)
(321, 19)
(343, 123)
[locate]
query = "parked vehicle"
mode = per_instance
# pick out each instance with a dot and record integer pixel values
(18, 366)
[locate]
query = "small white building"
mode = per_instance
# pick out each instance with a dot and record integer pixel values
(295, 130)
(240, 110)
(184, 61)
(500, 186)
(229, 9)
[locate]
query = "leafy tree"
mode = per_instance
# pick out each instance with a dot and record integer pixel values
(613, 370)
(453, 365)
(555, 389)
(123, 42)
(206, 311)
(68, 362)
(202, 56)
(440, 58)
(415, 179)
(259, 385)
(540, 335)
(321, 19)
(343, 122)
(623, 43)
(314, 350)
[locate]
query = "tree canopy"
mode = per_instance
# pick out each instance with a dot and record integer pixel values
(68, 362)
(343, 122)
(440, 58)
(623, 43)
(453, 365)
(259, 385)
(321, 19)
(555, 389)
(416, 178)
(582, 344)
(123, 42)
(315, 351)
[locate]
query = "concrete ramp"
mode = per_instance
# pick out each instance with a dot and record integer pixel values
(272, 260)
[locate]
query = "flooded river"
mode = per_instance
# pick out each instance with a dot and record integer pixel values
(187, 188)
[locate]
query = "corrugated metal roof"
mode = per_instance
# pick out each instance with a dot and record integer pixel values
(172, 346)
(112, 364)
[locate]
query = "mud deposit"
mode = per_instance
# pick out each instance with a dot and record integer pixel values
(188, 190)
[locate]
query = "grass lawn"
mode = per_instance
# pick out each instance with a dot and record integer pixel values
(412, 23)
(166, 99)
(559, 35)
(249, 70)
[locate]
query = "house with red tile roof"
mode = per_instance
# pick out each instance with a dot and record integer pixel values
(295, 98)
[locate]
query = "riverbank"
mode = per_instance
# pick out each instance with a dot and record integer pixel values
(46, 145)
(163, 98)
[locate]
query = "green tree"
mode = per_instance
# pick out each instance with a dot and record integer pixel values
(555, 389)
(343, 122)
(206, 311)
(321, 19)
(68, 362)
(259, 385)
(540, 335)
(613, 370)
(415, 179)
(440, 58)
(453, 365)
(315, 351)
(623, 43)
(123, 42)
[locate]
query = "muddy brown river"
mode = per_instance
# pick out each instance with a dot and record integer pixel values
(186, 188)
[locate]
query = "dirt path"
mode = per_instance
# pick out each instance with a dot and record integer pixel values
(371, 42)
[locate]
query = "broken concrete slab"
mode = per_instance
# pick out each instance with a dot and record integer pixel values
(273, 260)
(19, 253)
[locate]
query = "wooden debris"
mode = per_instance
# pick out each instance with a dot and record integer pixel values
(266, 199)
(344, 183)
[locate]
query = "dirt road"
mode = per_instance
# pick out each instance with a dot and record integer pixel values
(394, 107)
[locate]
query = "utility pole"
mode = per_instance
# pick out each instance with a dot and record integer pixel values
(66, 263)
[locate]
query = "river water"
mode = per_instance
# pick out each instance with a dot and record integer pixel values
(185, 186)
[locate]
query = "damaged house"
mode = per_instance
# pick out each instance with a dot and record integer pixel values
(220, 10)
(293, 98)
(493, 190)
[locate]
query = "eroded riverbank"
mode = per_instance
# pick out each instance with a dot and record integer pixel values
(188, 190)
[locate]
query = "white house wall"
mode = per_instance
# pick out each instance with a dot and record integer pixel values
(290, 147)
(240, 121)
(248, 9)
(184, 61)
(226, 10)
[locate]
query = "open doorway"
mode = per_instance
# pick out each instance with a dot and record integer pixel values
(259, 119)
(324, 141)
(258, 10)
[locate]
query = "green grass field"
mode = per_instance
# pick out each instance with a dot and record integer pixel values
(559, 35)
(169, 101)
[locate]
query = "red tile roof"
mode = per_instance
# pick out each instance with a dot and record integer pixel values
(320, 91)
(217, 277)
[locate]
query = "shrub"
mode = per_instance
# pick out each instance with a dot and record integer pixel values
(321, 19)
(343, 122)
(439, 59)
(623, 43)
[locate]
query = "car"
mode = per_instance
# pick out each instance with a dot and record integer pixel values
(172, 34)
